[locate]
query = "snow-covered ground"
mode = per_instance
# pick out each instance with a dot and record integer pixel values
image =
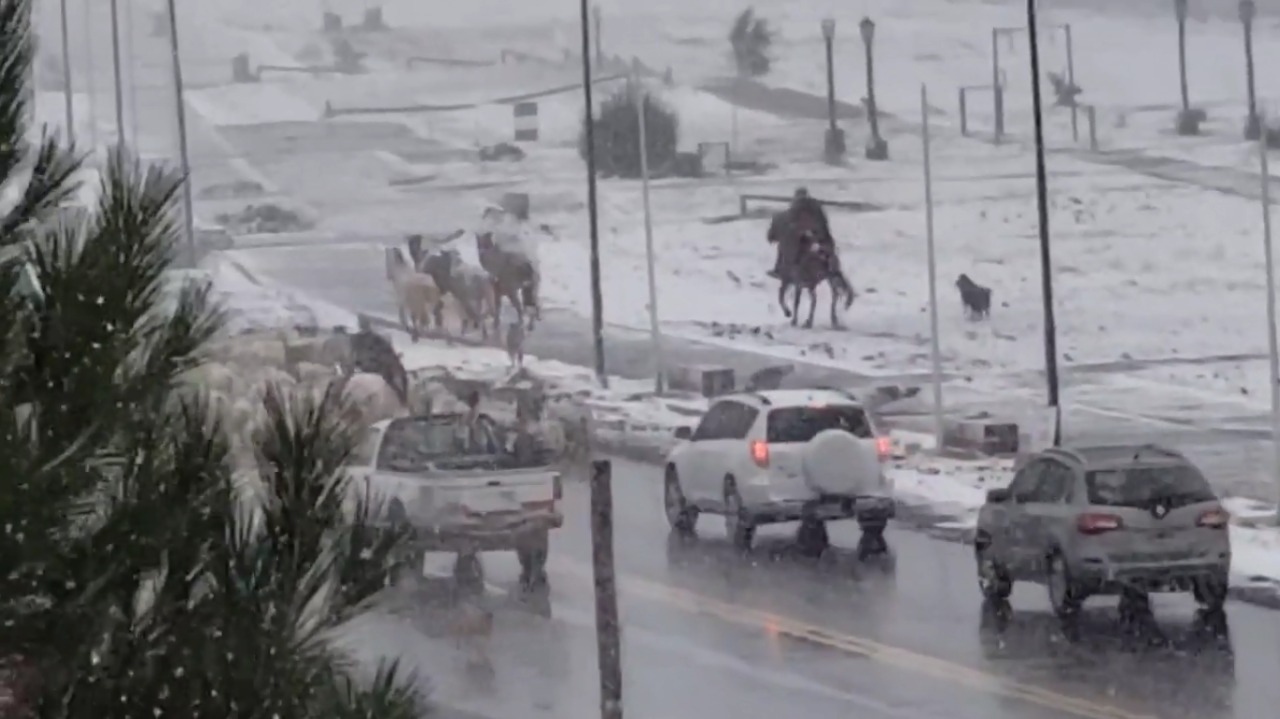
(252, 306)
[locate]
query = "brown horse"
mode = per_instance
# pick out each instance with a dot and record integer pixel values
(514, 277)
(811, 264)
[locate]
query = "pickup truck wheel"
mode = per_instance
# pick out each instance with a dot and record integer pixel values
(872, 542)
(737, 524)
(812, 538)
(469, 574)
(533, 568)
(682, 517)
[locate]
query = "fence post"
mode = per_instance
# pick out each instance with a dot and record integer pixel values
(608, 638)
(998, 90)
(1093, 128)
(964, 115)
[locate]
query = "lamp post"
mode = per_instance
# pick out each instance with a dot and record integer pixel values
(833, 145)
(1252, 126)
(1188, 121)
(593, 215)
(877, 148)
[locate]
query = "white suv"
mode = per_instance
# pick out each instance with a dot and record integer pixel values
(780, 456)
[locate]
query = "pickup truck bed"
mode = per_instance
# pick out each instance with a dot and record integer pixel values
(460, 503)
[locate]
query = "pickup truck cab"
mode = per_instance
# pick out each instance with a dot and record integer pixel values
(459, 489)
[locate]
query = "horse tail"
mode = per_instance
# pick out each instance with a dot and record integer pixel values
(842, 281)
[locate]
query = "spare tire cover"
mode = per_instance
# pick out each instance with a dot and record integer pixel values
(836, 462)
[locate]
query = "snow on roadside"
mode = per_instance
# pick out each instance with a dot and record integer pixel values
(251, 306)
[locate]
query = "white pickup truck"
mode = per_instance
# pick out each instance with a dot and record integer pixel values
(460, 489)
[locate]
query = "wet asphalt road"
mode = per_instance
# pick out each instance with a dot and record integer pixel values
(713, 634)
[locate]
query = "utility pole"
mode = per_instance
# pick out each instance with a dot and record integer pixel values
(184, 155)
(1042, 207)
(641, 99)
(1253, 126)
(593, 213)
(1273, 346)
(935, 354)
(133, 70)
(115, 54)
(66, 75)
(608, 634)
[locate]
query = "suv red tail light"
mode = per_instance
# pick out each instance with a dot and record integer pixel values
(884, 448)
(760, 453)
(1094, 523)
(1214, 519)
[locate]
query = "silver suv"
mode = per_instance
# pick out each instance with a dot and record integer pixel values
(1125, 520)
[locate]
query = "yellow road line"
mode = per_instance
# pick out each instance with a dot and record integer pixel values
(876, 651)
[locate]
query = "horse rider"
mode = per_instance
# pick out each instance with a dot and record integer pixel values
(804, 214)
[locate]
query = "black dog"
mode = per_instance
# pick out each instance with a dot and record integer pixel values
(976, 298)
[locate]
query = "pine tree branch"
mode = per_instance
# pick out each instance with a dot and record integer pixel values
(51, 184)
(17, 53)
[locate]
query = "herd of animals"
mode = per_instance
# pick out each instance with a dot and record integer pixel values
(241, 369)
(438, 288)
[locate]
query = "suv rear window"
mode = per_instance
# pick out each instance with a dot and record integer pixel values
(1174, 486)
(801, 424)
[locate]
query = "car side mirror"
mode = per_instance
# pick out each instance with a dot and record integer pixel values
(997, 496)
(685, 433)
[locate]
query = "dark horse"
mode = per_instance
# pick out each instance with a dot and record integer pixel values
(811, 264)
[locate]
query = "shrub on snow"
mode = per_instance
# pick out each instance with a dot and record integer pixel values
(617, 135)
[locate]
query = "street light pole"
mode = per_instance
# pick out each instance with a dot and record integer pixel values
(188, 208)
(1042, 207)
(115, 55)
(655, 332)
(877, 148)
(597, 301)
(1252, 127)
(1071, 80)
(833, 145)
(1188, 121)
(997, 93)
(1180, 7)
(1273, 345)
(66, 75)
(91, 84)
(599, 21)
(133, 70)
(935, 353)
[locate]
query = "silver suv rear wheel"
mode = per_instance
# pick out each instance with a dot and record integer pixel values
(1064, 593)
